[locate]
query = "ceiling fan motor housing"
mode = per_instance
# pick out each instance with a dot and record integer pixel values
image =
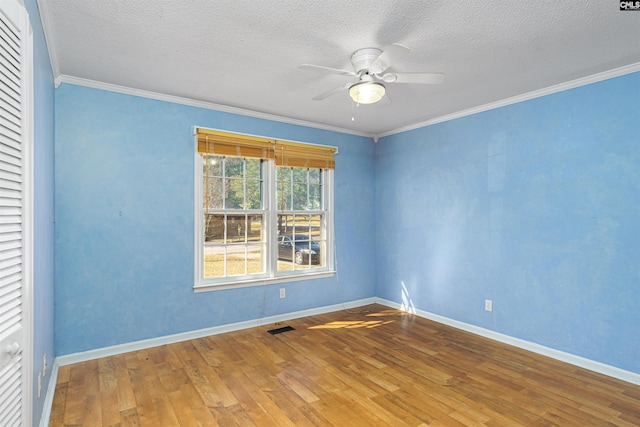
(363, 58)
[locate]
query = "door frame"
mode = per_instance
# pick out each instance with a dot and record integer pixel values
(28, 224)
(16, 11)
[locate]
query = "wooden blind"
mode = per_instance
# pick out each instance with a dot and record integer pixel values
(233, 144)
(300, 155)
(285, 153)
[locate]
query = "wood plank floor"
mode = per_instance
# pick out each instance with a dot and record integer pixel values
(370, 366)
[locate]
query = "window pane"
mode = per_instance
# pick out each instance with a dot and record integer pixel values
(254, 197)
(300, 174)
(285, 224)
(254, 168)
(299, 197)
(234, 167)
(236, 260)
(283, 174)
(299, 189)
(314, 176)
(302, 223)
(306, 225)
(254, 228)
(283, 188)
(315, 197)
(315, 227)
(234, 193)
(255, 258)
(299, 245)
(236, 225)
(307, 252)
(285, 251)
(212, 189)
(214, 228)
(283, 196)
(212, 165)
(214, 261)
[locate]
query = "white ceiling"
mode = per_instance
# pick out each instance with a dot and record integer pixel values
(245, 53)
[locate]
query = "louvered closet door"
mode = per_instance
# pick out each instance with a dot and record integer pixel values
(12, 137)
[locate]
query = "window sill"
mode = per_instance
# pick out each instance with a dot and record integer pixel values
(261, 282)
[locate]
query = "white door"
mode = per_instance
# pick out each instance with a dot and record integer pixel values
(15, 217)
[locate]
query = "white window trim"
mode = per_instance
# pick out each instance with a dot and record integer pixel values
(203, 285)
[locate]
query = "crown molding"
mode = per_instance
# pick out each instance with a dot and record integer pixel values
(583, 81)
(202, 104)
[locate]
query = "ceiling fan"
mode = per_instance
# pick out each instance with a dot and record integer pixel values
(370, 66)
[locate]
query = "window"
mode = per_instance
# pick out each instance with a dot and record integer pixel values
(300, 217)
(263, 210)
(234, 216)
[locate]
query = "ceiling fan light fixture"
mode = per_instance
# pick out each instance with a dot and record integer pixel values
(366, 92)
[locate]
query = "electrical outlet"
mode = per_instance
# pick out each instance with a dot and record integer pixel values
(44, 365)
(488, 305)
(39, 383)
(283, 293)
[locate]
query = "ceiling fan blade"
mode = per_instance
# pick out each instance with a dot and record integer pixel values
(323, 69)
(391, 53)
(331, 92)
(420, 78)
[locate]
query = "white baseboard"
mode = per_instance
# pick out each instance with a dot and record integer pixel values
(169, 339)
(48, 398)
(184, 336)
(581, 362)
(592, 365)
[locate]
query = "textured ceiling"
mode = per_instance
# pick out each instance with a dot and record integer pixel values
(246, 53)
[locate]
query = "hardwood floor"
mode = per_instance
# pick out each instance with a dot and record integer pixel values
(371, 366)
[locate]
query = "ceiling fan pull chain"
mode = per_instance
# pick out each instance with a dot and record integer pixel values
(354, 105)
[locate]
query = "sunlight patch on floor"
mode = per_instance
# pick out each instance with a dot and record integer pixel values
(387, 313)
(347, 324)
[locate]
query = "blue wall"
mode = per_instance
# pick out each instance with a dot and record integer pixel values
(124, 221)
(535, 206)
(43, 318)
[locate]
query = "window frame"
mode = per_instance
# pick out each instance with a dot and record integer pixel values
(228, 212)
(271, 274)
